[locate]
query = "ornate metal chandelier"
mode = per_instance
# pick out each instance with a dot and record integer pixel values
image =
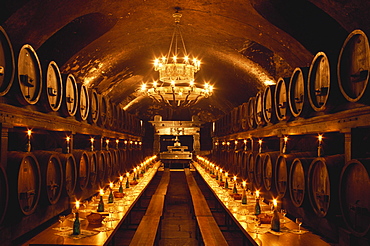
(176, 86)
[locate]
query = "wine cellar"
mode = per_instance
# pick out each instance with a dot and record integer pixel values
(103, 145)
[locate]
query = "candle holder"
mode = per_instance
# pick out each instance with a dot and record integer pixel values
(320, 150)
(28, 145)
(284, 150)
(260, 146)
(92, 144)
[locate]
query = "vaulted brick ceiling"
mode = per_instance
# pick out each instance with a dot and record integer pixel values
(110, 45)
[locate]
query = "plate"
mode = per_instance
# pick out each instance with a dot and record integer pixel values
(298, 232)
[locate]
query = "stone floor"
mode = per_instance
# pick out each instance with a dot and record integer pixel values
(178, 226)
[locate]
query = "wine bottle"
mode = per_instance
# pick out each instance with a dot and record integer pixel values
(257, 207)
(127, 183)
(244, 197)
(101, 205)
(226, 184)
(76, 225)
(235, 191)
(120, 189)
(275, 221)
(110, 197)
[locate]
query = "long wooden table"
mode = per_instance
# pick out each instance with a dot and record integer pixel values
(94, 233)
(288, 236)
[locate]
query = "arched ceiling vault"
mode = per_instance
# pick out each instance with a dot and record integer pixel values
(110, 45)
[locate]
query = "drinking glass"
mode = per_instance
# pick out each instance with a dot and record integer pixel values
(283, 212)
(62, 218)
(299, 222)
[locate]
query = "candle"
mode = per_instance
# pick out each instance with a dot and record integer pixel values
(127, 174)
(121, 178)
(244, 184)
(257, 194)
(77, 204)
(29, 132)
(319, 148)
(274, 202)
(260, 143)
(101, 192)
(111, 185)
(234, 178)
(226, 174)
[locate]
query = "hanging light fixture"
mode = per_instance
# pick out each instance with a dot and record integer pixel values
(176, 85)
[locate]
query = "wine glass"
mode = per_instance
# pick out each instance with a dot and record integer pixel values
(299, 222)
(62, 218)
(257, 222)
(283, 212)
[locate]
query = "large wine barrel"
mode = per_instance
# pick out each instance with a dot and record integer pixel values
(281, 99)
(51, 175)
(53, 90)
(268, 166)
(83, 102)
(94, 107)
(298, 180)
(298, 99)
(258, 105)
(258, 169)
(244, 116)
(108, 167)
(282, 167)
(103, 107)
(93, 158)
(101, 168)
(115, 163)
(353, 67)
(70, 173)
(323, 92)
(323, 183)
(29, 83)
(4, 194)
(354, 196)
(83, 168)
(251, 113)
(70, 99)
(24, 179)
(268, 104)
(7, 63)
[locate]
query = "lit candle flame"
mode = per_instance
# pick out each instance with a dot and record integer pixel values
(77, 204)
(92, 140)
(111, 185)
(285, 139)
(274, 201)
(117, 141)
(101, 192)
(320, 138)
(257, 193)
(127, 174)
(67, 139)
(121, 178)
(234, 178)
(226, 174)
(260, 141)
(244, 184)
(29, 132)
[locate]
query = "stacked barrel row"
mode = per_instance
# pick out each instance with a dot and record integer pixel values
(25, 81)
(37, 179)
(327, 86)
(309, 186)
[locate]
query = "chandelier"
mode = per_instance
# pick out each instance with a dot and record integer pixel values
(176, 85)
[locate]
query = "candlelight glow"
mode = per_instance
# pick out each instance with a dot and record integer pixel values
(220, 170)
(29, 132)
(274, 201)
(107, 141)
(111, 185)
(320, 137)
(77, 204)
(101, 192)
(67, 139)
(234, 178)
(121, 178)
(260, 141)
(92, 140)
(117, 141)
(127, 174)
(226, 174)
(236, 142)
(257, 193)
(285, 139)
(244, 184)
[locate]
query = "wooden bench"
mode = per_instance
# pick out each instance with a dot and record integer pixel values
(208, 232)
(148, 230)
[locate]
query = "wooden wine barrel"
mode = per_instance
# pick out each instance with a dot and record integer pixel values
(298, 180)
(24, 179)
(258, 169)
(103, 108)
(70, 98)
(7, 63)
(282, 167)
(354, 196)
(323, 183)
(83, 102)
(108, 167)
(258, 105)
(353, 67)
(29, 83)
(268, 104)
(4, 194)
(123, 159)
(115, 164)
(250, 167)
(93, 116)
(101, 168)
(53, 90)
(298, 98)
(70, 173)
(252, 113)
(281, 99)
(93, 159)
(83, 169)
(51, 175)
(244, 116)
(268, 166)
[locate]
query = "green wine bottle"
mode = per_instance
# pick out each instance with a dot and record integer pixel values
(101, 205)
(275, 221)
(244, 197)
(235, 191)
(226, 184)
(257, 207)
(127, 183)
(76, 225)
(120, 189)
(110, 197)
